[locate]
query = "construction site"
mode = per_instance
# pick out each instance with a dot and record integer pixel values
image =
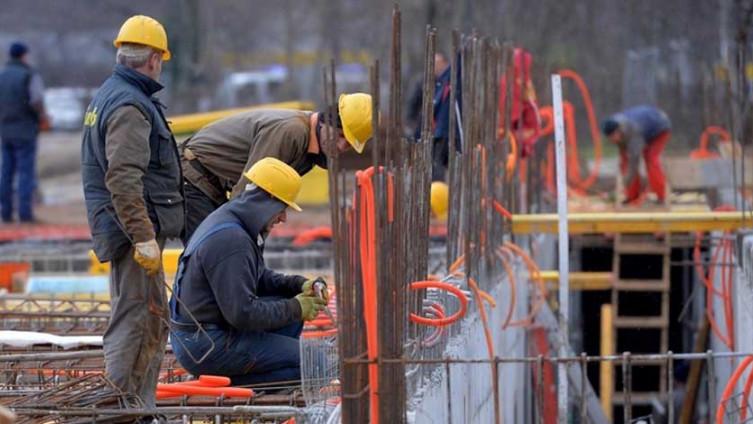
(540, 289)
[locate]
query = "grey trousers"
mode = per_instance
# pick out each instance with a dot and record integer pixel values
(134, 342)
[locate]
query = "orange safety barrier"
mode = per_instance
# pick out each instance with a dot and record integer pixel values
(440, 322)
(703, 152)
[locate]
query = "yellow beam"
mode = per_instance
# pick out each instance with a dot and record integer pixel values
(633, 222)
(580, 280)
(185, 124)
(169, 262)
(606, 368)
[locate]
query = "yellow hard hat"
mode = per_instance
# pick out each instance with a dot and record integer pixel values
(143, 30)
(276, 178)
(355, 115)
(440, 196)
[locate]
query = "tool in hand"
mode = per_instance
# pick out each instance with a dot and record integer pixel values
(320, 288)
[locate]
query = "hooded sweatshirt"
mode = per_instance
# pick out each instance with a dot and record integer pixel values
(225, 281)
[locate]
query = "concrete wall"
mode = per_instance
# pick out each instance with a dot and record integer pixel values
(470, 397)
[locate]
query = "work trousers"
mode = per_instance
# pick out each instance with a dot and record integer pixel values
(247, 357)
(19, 159)
(135, 338)
(656, 179)
(440, 155)
(198, 207)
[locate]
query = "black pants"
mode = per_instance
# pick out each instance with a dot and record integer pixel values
(440, 155)
(198, 207)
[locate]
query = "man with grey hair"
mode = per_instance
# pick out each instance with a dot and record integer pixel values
(133, 191)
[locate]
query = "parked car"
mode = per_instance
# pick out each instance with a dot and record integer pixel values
(66, 107)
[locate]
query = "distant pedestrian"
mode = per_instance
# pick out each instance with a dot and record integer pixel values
(640, 131)
(21, 112)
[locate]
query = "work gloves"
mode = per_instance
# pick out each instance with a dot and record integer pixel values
(147, 254)
(316, 287)
(310, 306)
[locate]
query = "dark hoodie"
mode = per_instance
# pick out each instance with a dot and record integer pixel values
(224, 280)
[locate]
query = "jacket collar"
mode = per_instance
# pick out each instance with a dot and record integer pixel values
(133, 77)
(16, 62)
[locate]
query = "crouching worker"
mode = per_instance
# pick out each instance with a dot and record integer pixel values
(253, 315)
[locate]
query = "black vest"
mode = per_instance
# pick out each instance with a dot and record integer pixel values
(18, 119)
(163, 181)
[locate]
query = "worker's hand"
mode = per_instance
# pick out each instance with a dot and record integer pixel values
(310, 306)
(316, 287)
(148, 256)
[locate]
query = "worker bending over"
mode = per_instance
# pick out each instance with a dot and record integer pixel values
(132, 187)
(253, 315)
(640, 130)
(215, 158)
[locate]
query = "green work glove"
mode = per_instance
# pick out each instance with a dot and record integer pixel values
(310, 286)
(310, 306)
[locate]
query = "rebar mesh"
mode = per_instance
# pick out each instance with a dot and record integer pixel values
(320, 371)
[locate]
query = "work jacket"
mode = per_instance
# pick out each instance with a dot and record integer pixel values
(222, 279)
(162, 179)
(229, 147)
(639, 125)
(18, 118)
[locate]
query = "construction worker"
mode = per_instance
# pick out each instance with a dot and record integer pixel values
(132, 187)
(640, 130)
(252, 315)
(441, 119)
(21, 114)
(215, 158)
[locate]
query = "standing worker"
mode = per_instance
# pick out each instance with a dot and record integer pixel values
(640, 130)
(215, 158)
(440, 121)
(132, 187)
(252, 315)
(21, 113)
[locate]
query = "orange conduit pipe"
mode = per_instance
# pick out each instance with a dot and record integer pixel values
(535, 275)
(367, 226)
(440, 322)
(724, 248)
(593, 126)
(746, 396)
(307, 236)
(165, 391)
(207, 381)
(727, 393)
(511, 278)
(703, 152)
(579, 183)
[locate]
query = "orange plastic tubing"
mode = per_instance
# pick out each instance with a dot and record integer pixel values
(703, 152)
(730, 387)
(367, 249)
(166, 390)
(440, 322)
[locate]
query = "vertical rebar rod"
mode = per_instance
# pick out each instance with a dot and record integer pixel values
(627, 389)
(671, 388)
(583, 385)
(711, 380)
(540, 388)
